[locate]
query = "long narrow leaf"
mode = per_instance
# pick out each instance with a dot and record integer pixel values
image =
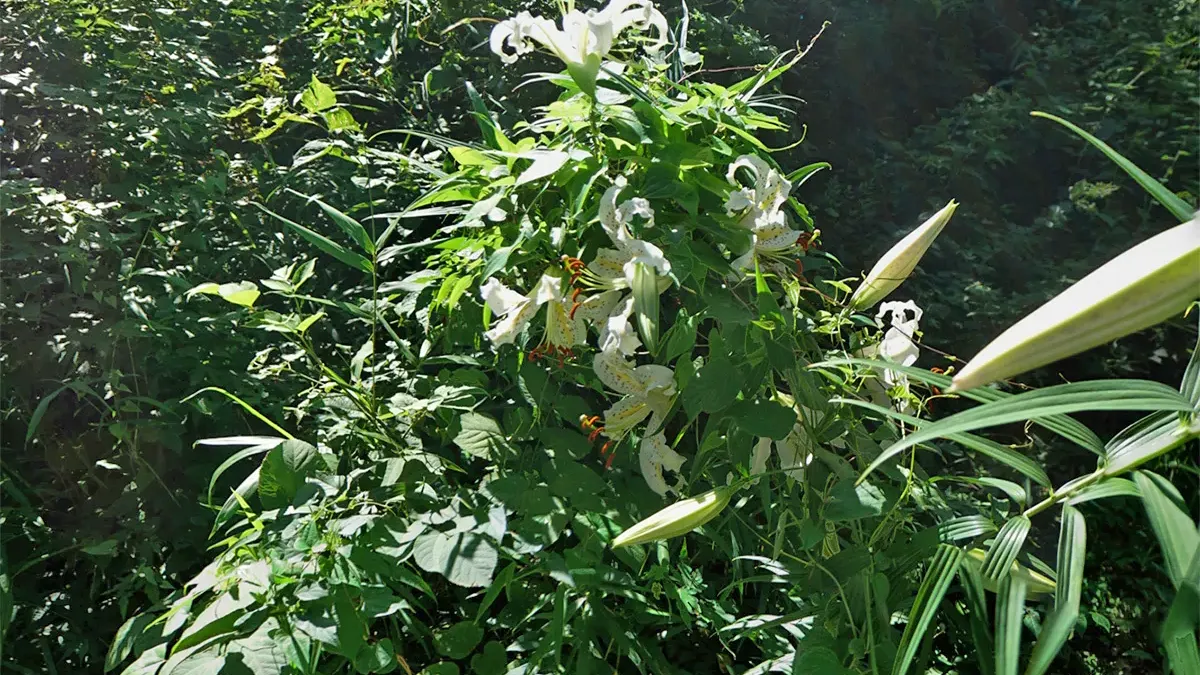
(1057, 400)
(1144, 440)
(1006, 456)
(1062, 425)
(1190, 386)
(322, 242)
(1179, 208)
(1174, 527)
(937, 579)
(350, 226)
(1183, 618)
(1105, 489)
(238, 456)
(245, 406)
(981, 633)
(1000, 557)
(1072, 545)
(1010, 608)
(965, 527)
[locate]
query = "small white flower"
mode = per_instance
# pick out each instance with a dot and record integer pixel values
(582, 35)
(897, 346)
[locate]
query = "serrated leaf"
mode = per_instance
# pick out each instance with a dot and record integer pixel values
(480, 436)
(933, 587)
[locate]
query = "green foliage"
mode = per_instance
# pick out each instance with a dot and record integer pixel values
(261, 413)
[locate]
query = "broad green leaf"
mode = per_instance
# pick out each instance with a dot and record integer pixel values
(379, 657)
(283, 471)
(1039, 403)
(350, 226)
(713, 388)
(258, 653)
(318, 97)
(465, 558)
(545, 164)
(322, 242)
(764, 418)
(123, 642)
(1179, 208)
(1072, 544)
(1005, 548)
(480, 436)
(1174, 527)
(266, 444)
(149, 663)
(458, 641)
(850, 501)
(218, 618)
(1144, 440)
(1005, 455)
(933, 587)
(1062, 425)
(1010, 608)
(242, 293)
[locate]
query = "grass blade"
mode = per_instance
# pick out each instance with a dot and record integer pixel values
(322, 242)
(937, 579)
(350, 226)
(1179, 208)
(1057, 400)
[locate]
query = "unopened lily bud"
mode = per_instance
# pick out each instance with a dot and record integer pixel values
(645, 303)
(895, 265)
(677, 519)
(1143, 286)
(1035, 582)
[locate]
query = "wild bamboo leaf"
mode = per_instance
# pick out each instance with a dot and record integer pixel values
(245, 406)
(1190, 386)
(1144, 440)
(492, 135)
(322, 242)
(1072, 545)
(981, 633)
(1109, 487)
(1174, 527)
(1057, 400)
(1183, 617)
(937, 579)
(1014, 492)
(240, 494)
(1010, 609)
(799, 176)
(1179, 208)
(965, 527)
(1006, 456)
(1007, 545)
(350, 226)
(1062, 425)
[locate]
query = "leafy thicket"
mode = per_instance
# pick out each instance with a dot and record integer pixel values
(250, 417)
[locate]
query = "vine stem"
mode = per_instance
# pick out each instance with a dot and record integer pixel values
(1069, 490)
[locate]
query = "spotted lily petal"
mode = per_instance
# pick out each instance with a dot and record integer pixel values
(655, 457)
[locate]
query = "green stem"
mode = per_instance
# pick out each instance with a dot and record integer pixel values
(1071, 490)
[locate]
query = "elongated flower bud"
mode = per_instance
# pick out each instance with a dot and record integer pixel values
(895, 265)
(677, 519)
(1036, 583)
(1143, 286)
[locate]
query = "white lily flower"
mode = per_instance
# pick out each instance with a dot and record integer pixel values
(897, 346)
(760, 210)
(795, 450)
(614, 267)
(563, 330)
(654, 457)
(647, 392)
(582, 35)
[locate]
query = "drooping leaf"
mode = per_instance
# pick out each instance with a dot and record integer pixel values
(350, 226)
(1072, 543)
(1005, 549)
(933, 587)
(1010, 608)
(1174, 527)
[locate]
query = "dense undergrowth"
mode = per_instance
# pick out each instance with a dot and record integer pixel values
(354, 180)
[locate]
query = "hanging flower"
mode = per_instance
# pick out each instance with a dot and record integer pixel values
(760, 209)
(897, 346)
(615, 267)
(563, 329)
(582, 35)
(655, 457)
